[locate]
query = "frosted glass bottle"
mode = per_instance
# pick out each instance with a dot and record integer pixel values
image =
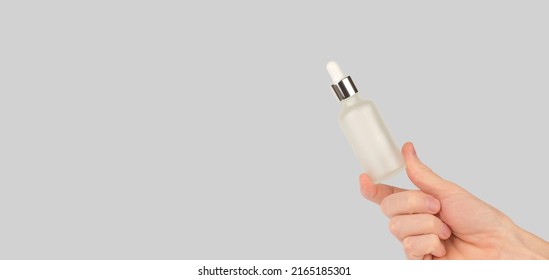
(365, 131)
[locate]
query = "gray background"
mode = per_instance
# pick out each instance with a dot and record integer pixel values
(207, 129)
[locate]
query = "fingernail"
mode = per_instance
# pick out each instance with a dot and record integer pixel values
(432, 205)
(446, 231)
(413, 149)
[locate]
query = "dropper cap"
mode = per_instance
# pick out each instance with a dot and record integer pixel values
(343, 86)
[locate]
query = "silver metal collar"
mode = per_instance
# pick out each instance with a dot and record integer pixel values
(345, 88)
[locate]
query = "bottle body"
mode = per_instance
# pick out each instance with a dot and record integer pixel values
(370, 139)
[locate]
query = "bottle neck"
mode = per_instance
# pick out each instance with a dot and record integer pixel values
(350, 101)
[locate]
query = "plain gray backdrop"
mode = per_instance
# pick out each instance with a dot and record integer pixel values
(208, 129)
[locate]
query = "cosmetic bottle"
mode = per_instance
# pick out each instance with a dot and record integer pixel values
(364, 129)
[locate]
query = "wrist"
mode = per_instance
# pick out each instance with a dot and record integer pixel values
(526, 245)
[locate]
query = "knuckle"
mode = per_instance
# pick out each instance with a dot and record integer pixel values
(407, 245)
(420, 174)
(394, 225)
(433, 241)
(411, 256)
(438, 250)
(385, 206)
(414, 201)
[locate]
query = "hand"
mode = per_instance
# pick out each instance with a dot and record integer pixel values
(442, 220)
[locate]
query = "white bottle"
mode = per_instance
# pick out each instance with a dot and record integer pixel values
(361, 123)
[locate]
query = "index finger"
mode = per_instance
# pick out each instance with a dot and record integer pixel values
(375, 193)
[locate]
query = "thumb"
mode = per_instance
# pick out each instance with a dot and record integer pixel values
(423, 177)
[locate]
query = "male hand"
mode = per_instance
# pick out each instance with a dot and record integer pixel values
(442, 220)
